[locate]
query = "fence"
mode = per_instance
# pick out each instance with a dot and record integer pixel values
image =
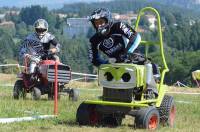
(9, 78)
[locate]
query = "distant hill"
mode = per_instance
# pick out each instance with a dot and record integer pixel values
(189, 4)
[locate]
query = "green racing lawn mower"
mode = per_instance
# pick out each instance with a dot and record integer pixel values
(124, 86)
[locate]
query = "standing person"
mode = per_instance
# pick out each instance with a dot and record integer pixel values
(37, 43)
(116, 40)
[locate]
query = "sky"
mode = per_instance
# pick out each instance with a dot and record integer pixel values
(52, 4)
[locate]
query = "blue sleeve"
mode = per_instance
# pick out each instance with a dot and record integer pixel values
(133, 37)
(134, 44)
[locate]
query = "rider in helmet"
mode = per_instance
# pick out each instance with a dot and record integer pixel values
(115, 39)
(37, 43)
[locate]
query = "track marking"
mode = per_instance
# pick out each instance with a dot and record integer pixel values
(20, 119)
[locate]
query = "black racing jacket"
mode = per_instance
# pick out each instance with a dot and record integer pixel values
(114, 44)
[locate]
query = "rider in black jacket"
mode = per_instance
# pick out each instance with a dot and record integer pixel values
(117, 40)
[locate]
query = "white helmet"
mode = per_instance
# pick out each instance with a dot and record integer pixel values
(41, 27)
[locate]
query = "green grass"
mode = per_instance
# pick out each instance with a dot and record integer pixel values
(187, 118)
(188, 114)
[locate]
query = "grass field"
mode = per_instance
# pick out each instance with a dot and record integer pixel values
(187, 118)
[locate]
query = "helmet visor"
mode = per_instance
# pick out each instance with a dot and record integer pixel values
(99, 22)
(40, 30)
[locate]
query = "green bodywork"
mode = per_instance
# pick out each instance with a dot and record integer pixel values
(139, 70)
(137, 73)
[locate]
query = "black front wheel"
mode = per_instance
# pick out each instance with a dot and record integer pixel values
(87, 115)
(18, 90)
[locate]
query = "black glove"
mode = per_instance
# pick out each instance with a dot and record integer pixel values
(138, 58)
(125, 57)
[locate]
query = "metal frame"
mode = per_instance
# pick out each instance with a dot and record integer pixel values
(161, 87)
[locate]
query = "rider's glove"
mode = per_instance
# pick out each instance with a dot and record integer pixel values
(125, 58)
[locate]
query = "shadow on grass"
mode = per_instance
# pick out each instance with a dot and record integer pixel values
(68, 122)
(73, 123)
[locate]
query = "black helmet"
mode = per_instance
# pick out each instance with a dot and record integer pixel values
(41, 27)
(102, 13)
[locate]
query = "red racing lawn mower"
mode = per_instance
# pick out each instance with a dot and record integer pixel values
(42, 81)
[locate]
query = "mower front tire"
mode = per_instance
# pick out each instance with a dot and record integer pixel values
(36, 93)
(19, 90)
(87, 115)
(73, 95)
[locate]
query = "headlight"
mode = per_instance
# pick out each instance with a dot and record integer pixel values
(108, 76)
(126, 77)
(117, 76)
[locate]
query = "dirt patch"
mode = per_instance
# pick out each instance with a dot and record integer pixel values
(6, 77)
(77, 84)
